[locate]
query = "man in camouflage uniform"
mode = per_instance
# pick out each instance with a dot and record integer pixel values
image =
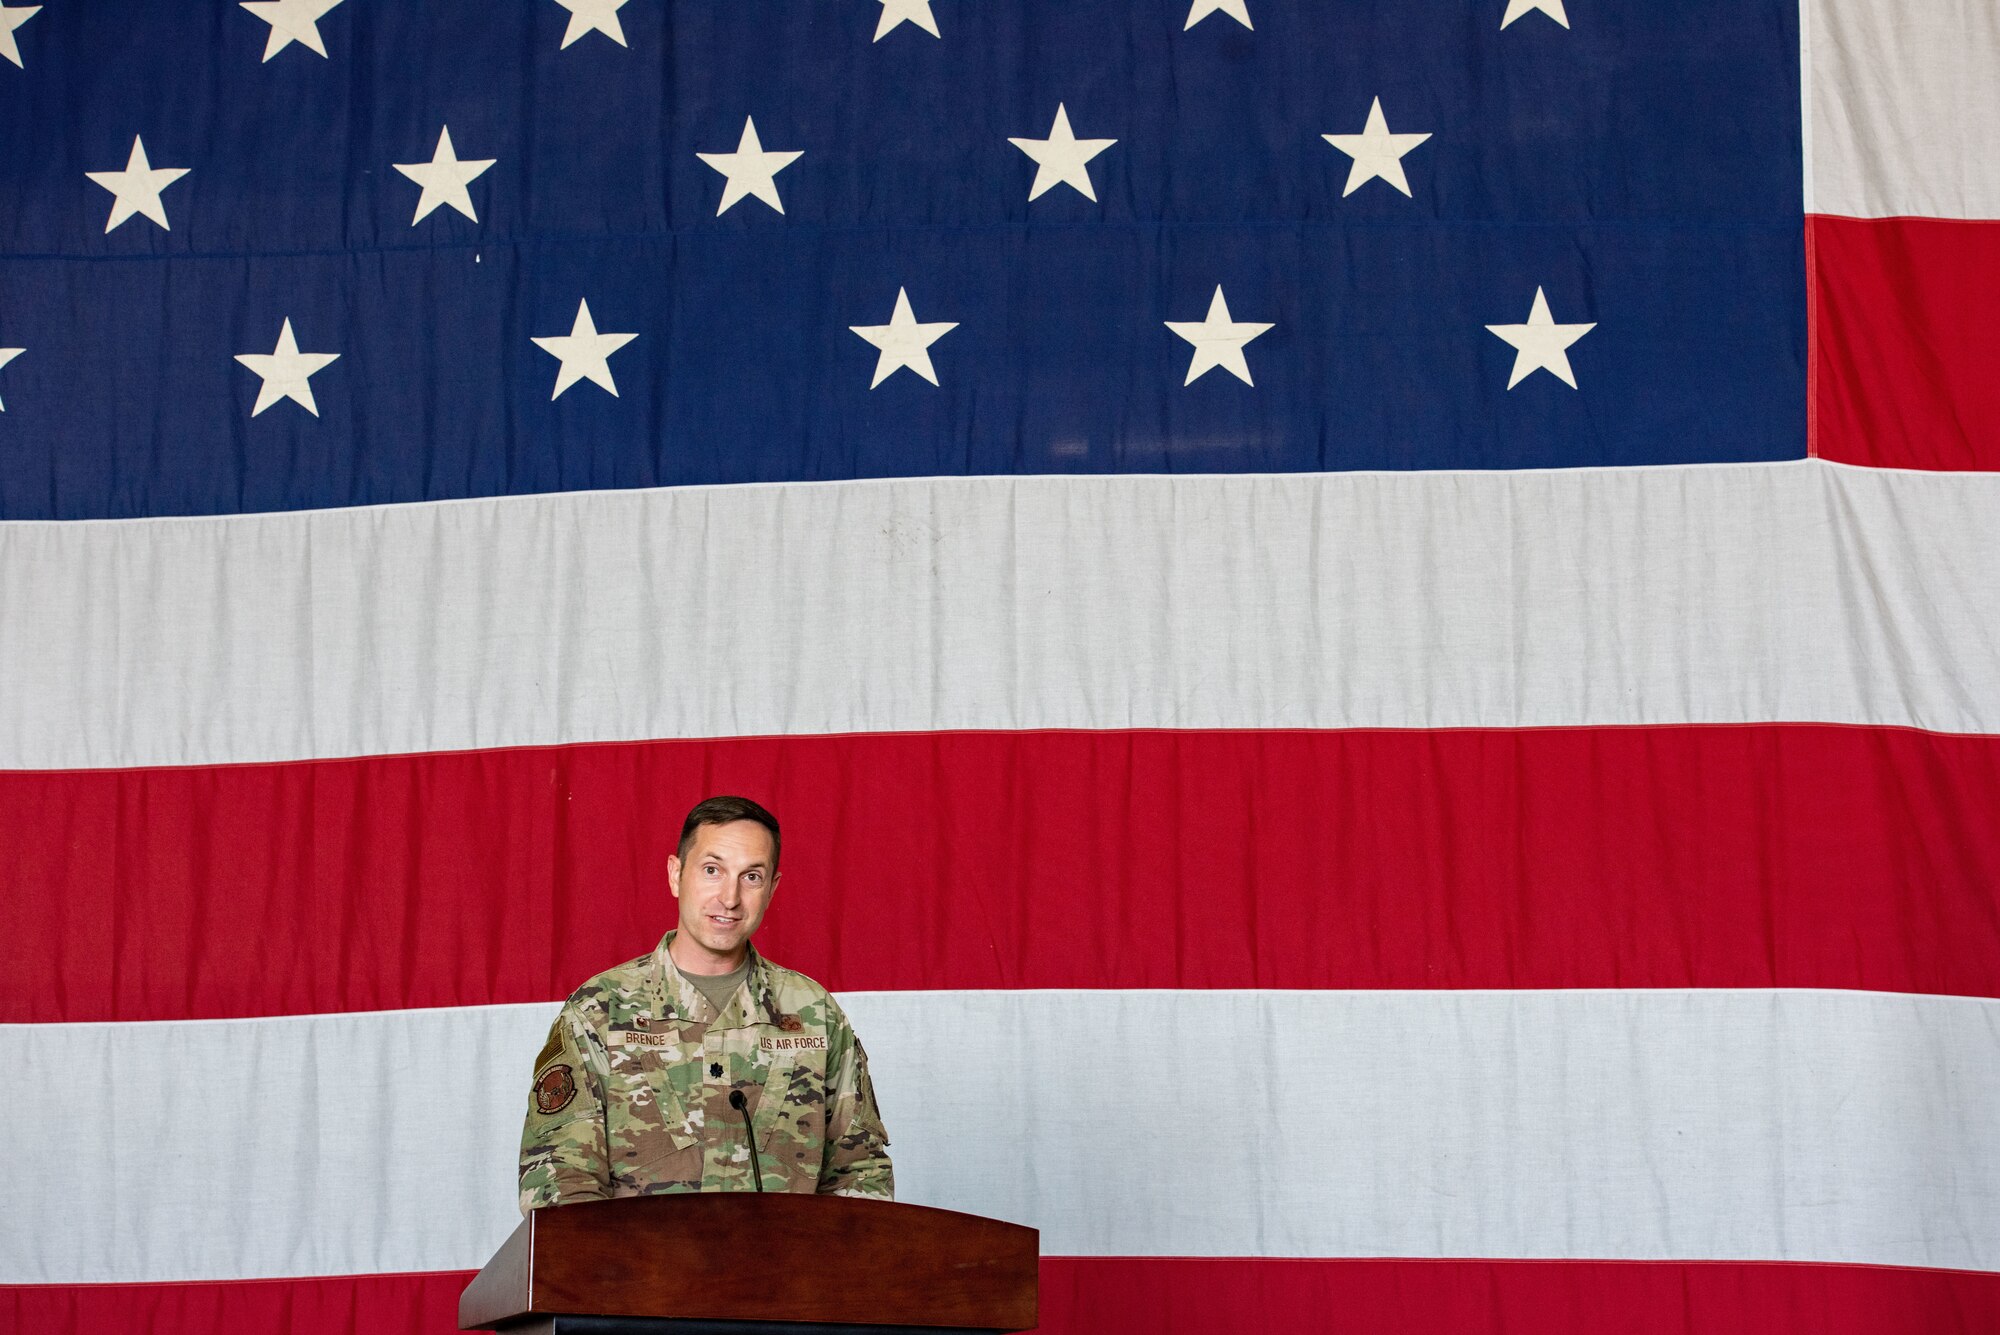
(632, 1092)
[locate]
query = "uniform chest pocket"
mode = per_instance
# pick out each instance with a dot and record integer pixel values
(646, 1117)
(794, 1090)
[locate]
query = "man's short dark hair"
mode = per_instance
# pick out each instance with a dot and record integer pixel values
(727, 811)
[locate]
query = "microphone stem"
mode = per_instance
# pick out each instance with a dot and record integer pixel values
(736, 1101)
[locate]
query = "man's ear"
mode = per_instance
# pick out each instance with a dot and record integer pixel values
(674, 875)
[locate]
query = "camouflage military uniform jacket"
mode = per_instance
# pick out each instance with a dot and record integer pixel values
(631, 1092)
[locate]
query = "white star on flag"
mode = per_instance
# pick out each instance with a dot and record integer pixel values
(897, 12)
(903, 342)
(1541, 344)
(587, 16)
(291, 21)
(1518, 8)
(444, 178)
(10, 19)
(584, 353)
(137, 188)
(287, 372)
(8, 355)
(1376, 152)
(1218, 341)
(1060, 159)
(1201, 9)
(750, 169)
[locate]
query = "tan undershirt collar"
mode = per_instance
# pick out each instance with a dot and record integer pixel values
(718, 988)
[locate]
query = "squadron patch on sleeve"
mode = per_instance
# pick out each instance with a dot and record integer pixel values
(554, 1088)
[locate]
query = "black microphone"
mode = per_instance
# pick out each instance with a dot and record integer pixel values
(756, 1164)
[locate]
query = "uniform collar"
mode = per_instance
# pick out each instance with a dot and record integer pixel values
(675, 995)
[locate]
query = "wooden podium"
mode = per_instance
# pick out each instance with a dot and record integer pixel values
(748, 1263)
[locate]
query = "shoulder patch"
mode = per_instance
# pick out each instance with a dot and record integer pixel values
(551, 1049)
(554, 1090)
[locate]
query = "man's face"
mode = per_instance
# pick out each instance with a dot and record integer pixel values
(724, 885)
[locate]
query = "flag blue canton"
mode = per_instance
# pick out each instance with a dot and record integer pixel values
(1639, 167)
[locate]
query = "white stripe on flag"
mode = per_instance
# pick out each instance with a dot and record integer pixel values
(1903, 101)
(1754, 1125)
(1753, 594)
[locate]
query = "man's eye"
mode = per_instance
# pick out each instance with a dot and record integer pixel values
(753, 877)
(712, 870)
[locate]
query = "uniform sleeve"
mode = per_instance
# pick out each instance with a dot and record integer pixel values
(856, 1161)
(563, 1154)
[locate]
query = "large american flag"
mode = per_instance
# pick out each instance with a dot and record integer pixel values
(1376, 627)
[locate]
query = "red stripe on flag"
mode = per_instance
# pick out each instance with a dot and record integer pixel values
(343, 1305)
(1228, 1296)
(1642, 857)
(1905, 342)
(1175, 1296)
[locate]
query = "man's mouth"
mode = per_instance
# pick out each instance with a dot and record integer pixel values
(722, 920)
